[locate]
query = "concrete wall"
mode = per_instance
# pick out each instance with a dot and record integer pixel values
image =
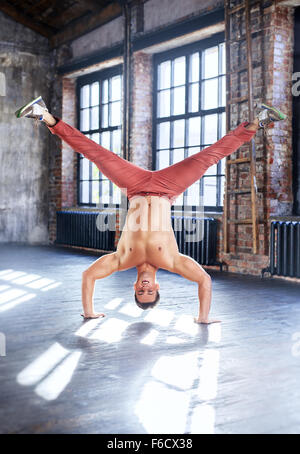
(26, 62)
(106, 36)
(158, 13)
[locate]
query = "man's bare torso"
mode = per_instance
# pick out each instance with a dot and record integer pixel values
(147, 236)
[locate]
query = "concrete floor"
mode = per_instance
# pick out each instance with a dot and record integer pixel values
(144, 371)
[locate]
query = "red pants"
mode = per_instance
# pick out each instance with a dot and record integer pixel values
(169, 182)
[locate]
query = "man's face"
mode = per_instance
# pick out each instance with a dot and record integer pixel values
(146, 290)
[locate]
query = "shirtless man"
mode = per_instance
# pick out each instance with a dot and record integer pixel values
(148, 243)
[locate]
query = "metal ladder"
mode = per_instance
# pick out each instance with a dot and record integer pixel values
(241, 9)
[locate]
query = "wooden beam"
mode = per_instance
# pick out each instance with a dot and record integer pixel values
(94, 5)
(26, 20)
(73, 31)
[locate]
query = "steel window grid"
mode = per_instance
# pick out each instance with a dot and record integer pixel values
(187, 51)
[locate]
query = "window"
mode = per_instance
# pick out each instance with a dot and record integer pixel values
(189, 103)
(99, 118)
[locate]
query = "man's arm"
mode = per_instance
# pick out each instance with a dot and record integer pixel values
(191, 270)
(103, 267)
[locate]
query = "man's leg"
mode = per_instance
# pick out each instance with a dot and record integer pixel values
(178, 177)
(120, 171)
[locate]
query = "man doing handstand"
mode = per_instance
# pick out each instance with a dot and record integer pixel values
(153, 193)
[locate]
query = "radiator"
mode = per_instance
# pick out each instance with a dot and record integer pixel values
(284, 249)
(79, 228)
(202, 245)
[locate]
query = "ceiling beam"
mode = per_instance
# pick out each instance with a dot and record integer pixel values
(23, 19)
(73, 31)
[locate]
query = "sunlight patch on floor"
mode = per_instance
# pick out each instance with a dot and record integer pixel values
(208, 385)
(41, 366)
(88, 326)
(114, 303)
(110, 331)
(16, 302)
(162, 317)
(172, 340)
(186, 324)
(162, 410)
(177, 370)
(131, 310)
(57, 381)
(203, 419)
(150, 338)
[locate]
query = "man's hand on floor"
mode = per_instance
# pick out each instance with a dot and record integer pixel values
(93, 315)
(205, 321)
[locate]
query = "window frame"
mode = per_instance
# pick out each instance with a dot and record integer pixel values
(186, 50)
(97, 76)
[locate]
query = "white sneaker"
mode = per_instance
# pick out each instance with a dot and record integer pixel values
(33, 109)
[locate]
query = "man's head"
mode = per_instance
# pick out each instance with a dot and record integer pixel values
(146, 291)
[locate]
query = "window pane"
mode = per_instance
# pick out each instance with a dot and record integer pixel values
(212, 170)
(164, 75)
(95, 137)
(163, 104)
(95, 118)
(95, 192)
(210, 62)
(193, 150)
(116, 137)
(210, 94)
(116, 88)
(163, 135)
(222, 50)
(194, 67)
(210, 129)
(115, 117)
(95, 94)
(178, 133)
(223, 91)
(85, 96)
(85, 191)
(179, 101)
(222, 166)
(105, 91)
(179, 71)
(210, 191)
(193, 194)
(179, 200)
(95, 172)
(105, 191)
(194, 98)
(105, 140)
(222, 190)
(162, 159)
(178, 155)
(85, 120)
(194, 131)
(116, 194)
(105, 116)
(223, 123)
(85, 169)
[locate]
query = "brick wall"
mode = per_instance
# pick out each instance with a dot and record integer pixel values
(272, 84)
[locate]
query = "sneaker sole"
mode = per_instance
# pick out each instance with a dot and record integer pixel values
(280, 115)
(22, 111)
